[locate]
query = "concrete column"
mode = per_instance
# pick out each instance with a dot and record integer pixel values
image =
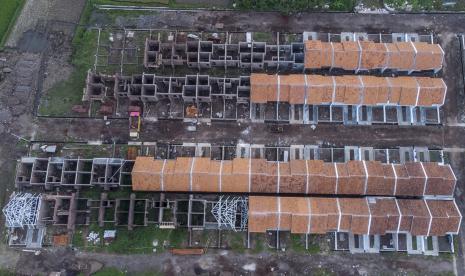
(132, 201)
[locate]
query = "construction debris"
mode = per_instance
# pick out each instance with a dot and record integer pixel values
(93, 238)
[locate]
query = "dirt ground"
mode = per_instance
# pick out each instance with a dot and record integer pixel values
(230, 263)
(46, 49)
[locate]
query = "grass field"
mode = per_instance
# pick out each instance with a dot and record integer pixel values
(137, 241)
(9, 11)
(60, 98)
(132, 2)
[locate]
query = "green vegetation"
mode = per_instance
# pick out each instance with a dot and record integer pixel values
(148, 273)
(9, 11)
(109, 271)
(124, 192)
(298, 245)
(90, 192)
(138, 241)
(178, 5)
(78, 237)
(322, 272)
(342, 5)
(237, 242)
(259, 246)
(6, 272)
(60, 99)
(263, 36)
(289, 6)
(415, 5)
(446, 273)
(132, 2)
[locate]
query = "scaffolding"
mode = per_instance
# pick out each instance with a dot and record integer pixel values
(22, 210)
(228, 210)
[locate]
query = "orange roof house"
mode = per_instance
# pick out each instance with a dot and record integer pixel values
(318, 54)
(347, 90)
(369, 55)
(428, 56)
(241, 175)
(368, 215)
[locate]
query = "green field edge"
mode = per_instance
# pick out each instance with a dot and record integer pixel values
(12, 23)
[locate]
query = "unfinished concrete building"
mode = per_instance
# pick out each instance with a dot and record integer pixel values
(56, 171)
(372, 224)
(295, 52)
(310, 99)
(97, 87)
(293, 152)
(212, 98)
(295, 99)
(227, 50)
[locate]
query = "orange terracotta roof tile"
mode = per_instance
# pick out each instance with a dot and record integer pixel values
(295, 177)
(355, 215)
(406, 53)
(371, 215)
(432, 91)
(375, 90)
(320, 89)
(292, 89)
(428, 56)
(414, 216)
(445, 219)
(346, 55)
(317, 54)
(368, 55)
(374, 55)
(353, 90)
(348, 90)
(376, 181)
(404, 90)
(441, 179)
(263, 88)
(385, 215)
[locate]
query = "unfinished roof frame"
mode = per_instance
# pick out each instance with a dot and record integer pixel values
(22, 210)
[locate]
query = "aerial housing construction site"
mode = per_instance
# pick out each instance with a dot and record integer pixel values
(214, 147)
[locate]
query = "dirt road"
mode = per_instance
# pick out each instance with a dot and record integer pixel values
(230, 263)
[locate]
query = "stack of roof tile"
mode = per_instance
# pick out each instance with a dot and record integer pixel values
(297, 177)
(368, 55)
(372, 215)
(347, 90)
